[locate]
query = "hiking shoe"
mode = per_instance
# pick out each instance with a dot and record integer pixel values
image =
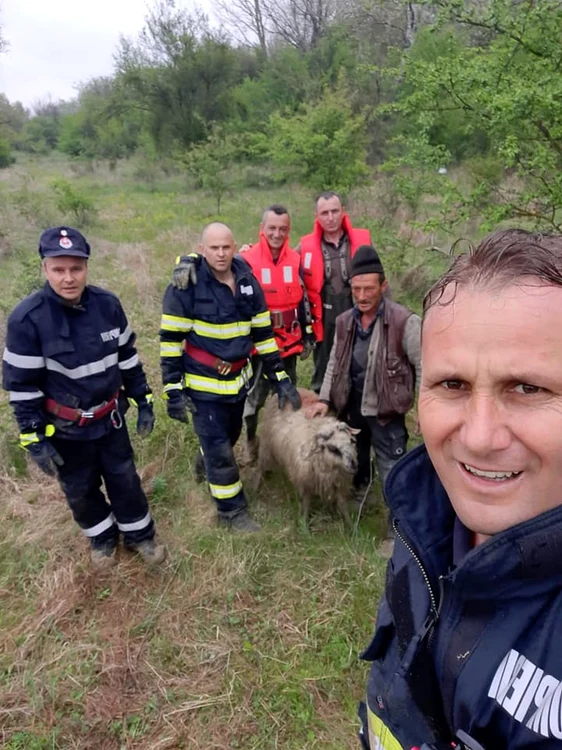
(151, 553)
(199, 469)
(242, 522)
(103, 558)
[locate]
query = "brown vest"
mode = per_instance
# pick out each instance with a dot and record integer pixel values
(394, 374)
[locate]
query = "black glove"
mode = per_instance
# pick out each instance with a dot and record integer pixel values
(145, 420)
(45, 456)
(177, 405)
(185, 272)
(309, 344)
(286, 392)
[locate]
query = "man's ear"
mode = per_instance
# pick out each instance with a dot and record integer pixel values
(384, 286)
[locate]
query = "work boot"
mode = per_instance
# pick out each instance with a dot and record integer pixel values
(242, 522)
(199, 469)
(151, 553)
(103, 558)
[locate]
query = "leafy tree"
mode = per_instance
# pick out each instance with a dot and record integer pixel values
(210, 163)
(324, 145)
(500, 86)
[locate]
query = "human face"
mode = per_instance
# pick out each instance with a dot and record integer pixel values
(329, 213)
(276, 229)
(67, 276)
(490, 404)
(218, 248)
(367, 292)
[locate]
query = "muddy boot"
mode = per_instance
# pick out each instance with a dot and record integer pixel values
(199, 470)
(103, 558)
(151, 552)
(241, 522)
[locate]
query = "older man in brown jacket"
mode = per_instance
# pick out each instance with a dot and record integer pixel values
(374, 365)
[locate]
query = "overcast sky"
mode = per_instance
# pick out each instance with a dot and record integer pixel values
(55, 44)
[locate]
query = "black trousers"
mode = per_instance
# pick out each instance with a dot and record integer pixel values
(218, 426)
(108, 458)
(388, 440)
(263, 387)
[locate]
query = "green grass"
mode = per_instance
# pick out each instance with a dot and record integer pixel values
(248, 643)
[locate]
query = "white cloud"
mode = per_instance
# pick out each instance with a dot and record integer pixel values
(55, 44)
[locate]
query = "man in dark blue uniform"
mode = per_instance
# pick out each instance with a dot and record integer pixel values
(467, 650)
(207, 334)
(70, 366)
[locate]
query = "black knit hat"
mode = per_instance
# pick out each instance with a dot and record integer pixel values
(365, 260)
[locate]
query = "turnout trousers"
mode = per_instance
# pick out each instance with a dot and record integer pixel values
(86, 464)
(218, 426)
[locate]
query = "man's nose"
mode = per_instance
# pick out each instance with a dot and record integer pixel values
(484, 428)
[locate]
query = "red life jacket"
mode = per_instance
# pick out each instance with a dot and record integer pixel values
(313, 266)
(282, 288)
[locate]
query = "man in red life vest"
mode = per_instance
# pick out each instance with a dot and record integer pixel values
(278, 269)
(326, 259)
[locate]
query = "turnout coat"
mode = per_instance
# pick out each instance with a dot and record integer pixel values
(475, 646)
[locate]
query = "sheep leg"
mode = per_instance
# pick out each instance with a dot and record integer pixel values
(305, 505)
(343, 507)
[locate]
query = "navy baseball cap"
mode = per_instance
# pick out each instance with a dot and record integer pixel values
(63, 241)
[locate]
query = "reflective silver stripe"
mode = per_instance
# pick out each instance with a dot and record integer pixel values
(100, 527)
(23, 361)
(128, 363)
(125, 336)
(92, 368)
(136, 525)
(25, 395)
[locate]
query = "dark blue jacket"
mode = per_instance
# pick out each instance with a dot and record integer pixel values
(476, 647)
(226, 325)
(79, 355)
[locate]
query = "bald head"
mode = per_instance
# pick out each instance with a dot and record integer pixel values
(218, 247)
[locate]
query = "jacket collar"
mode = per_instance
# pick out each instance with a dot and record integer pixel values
(524, 558)
(265, 249)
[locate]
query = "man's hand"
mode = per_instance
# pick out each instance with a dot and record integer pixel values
(309, 344)
(45, 456)
(185, 272)
(145, 420)
(287, 393)
(319, 409)
(176, 405)
(244, 248)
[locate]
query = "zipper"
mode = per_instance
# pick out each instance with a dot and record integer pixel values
(434, 606)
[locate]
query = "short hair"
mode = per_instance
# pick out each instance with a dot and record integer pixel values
(213, 224)
(277, 209)
(326, 195)
(504, 257)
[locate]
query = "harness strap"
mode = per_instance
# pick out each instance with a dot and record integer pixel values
(220, 365)
(82, 416)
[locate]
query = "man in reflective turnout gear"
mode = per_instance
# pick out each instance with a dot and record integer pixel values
(207, 334)
(70, 366)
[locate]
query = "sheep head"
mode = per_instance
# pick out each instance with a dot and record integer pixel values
(336, 442)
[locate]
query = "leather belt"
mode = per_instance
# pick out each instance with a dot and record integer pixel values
(284, 319)
(220, 365)
(83, 417)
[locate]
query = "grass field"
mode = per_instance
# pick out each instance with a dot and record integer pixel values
(235, 642)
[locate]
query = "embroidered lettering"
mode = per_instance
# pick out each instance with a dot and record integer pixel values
(525, 692)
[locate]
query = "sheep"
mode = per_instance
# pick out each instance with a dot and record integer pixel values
(318, 455)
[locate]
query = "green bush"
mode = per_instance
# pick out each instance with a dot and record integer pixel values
(6, 157)
(71, 200)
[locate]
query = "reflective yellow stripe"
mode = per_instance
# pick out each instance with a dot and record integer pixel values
(221, 330)
(380, 736)
(175, 323)
(261, 320)
(266, 347)
(26, 438)
(230, 387)
(169, 349)
(172, 387)
(225, 491)
(189, 255)
(281, 375)
(49, 430)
